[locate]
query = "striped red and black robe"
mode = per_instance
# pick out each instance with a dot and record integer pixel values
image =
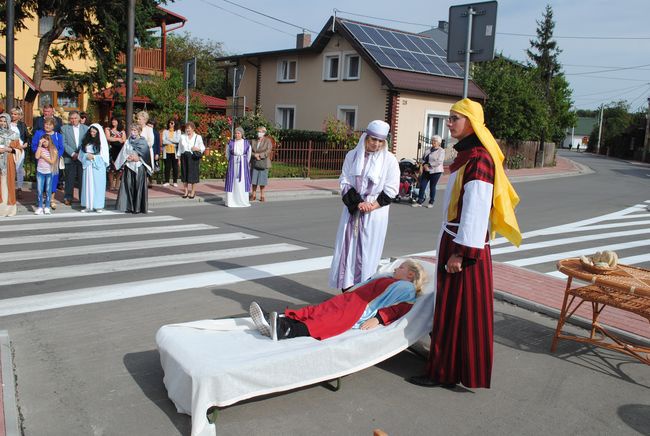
(462, 338)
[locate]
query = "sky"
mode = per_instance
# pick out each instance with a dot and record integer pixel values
(605, 44)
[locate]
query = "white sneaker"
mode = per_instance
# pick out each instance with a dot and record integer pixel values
(47, 211)
(416, 205)
(85, 210)
(165, 184)
(429, 206)
(274, 325)
(99, 210)
(39, 211)
(261, 323)
(175, 185)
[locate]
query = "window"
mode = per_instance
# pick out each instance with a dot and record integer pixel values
(331, 67)
(285, 116)
(348, 114)
(287, 70)
(67, 101)
(352, 67)
(436, 124)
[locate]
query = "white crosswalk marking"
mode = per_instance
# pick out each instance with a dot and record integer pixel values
(87, 269)
(127, 246)
(72, 236)
(86, 223)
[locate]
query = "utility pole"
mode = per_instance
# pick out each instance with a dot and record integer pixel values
(600, 128)
(646, 143)
(129, 65)
(9, 65)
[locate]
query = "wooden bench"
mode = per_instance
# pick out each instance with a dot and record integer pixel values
(626, 288)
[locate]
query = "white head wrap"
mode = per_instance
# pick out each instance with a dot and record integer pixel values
(378, 129)
(103, 150)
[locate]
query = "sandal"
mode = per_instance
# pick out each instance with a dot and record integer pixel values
(191, 196)
(185, 195)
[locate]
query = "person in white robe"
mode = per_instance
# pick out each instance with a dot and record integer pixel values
(94, 158)
(238, 176)
(369, 181)
(11, 156)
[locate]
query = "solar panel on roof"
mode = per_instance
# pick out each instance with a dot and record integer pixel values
(403, 51)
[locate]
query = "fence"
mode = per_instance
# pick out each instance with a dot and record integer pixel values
(311, 159)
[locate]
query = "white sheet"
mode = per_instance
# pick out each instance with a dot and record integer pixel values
(221, 362)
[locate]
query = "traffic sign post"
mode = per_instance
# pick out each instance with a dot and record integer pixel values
(189, 80)
(472, 29)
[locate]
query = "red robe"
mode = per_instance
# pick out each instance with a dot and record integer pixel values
(339, 314)
(462, 335)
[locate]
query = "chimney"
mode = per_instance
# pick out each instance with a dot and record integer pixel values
(443, 25)
(303, 40)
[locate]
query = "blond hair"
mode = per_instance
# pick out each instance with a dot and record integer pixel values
(420, 275)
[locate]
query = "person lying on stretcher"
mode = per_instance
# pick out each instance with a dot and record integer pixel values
(381, 300)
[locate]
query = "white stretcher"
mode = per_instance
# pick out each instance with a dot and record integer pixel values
(212, 363)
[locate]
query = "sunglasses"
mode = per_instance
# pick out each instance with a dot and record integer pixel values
(373, 138)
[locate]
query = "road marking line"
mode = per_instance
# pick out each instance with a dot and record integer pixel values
(113, 266)
(55, 300)
(575, 253)
(126, 246)
(76, 214)
(87, 223)
(116, 233)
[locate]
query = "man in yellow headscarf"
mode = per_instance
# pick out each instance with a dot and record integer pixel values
(479, 202)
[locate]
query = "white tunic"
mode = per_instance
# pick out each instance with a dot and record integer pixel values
(360, 238)
(238, 197)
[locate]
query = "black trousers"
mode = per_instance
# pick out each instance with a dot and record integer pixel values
(73, 172)
(171, 166)
(290, 328)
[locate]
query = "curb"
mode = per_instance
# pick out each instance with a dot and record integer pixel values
(555, 314)
(9, 406)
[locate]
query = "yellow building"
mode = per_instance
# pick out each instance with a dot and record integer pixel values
(147, 62)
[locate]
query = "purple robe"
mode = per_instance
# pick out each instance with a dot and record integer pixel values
(244, 165)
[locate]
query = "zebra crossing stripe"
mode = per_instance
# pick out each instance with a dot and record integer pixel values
(55, 215)
(50, 253)
(116, 233)
(120, 291)
(575, 253)
(86, 223)
(113, 266)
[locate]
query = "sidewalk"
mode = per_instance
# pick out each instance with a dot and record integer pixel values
(280, 189)
(531, 290)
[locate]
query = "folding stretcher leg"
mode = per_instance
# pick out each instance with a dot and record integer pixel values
(330, 385)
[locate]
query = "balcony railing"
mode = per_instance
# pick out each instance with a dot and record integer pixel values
(146, 60)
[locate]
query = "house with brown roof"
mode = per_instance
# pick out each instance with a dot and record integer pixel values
(357, 72)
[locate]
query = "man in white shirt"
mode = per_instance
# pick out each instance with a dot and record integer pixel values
(73, 134)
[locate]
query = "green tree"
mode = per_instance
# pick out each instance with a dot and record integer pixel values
(167, 97)
(544, 55)
(514, 110)
(210, 79)
(89, 29)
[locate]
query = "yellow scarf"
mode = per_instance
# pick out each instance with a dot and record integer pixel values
(505, 199)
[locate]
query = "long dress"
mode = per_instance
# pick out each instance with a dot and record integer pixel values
(385, 296)
(190, 165)
(93, 186)
(360, 236)
(57, 139)
(133, 194)
(8, 163)
(238, 176)
(462, 338)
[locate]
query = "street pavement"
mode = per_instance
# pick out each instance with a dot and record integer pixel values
(535, 291)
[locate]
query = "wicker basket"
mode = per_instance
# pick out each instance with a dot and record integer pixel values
(597, 269)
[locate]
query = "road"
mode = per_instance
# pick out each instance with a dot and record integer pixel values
(83, 295)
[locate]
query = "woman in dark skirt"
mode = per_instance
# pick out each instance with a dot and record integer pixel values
(116, 138)
(190, 150)
(135, 157)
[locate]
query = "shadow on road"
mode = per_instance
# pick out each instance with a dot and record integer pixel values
(636, 416)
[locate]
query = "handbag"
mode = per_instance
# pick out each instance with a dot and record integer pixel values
(259, 164)
(196, 154)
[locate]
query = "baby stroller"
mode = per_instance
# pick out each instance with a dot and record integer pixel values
(408, 170)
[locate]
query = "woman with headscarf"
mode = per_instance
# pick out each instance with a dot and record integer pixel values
(18, 125)
(11, 155)
(94, 158)
(135, 156)
(190, 150)
(261, 160)
(49, 126)
(479, 202)
(369, 180)
(238, 176)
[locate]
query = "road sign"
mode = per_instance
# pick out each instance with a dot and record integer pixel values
(189, 74)
(483, 20)
(236, 108)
